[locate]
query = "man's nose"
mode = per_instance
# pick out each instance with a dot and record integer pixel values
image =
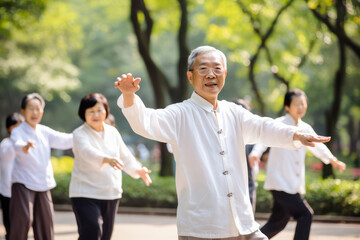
(210, 74)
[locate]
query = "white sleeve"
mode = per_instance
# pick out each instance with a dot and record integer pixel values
(320, 150)
(85, 150)
(267, 131)
(155, 124)
(130, 162)
(7, 152)
(258, 150)
(59, 140)
(17, 140)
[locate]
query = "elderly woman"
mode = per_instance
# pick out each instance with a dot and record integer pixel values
(99, 156)
(33, 176)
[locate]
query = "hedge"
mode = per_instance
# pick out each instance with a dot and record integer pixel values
(330, 196)
(326, 197)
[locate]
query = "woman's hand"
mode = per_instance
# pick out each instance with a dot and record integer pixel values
(252, 159)
(338, 164)
(144, 174)
(30, 144)
(114, 163)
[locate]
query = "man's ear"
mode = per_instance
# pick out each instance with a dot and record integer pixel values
(189, 76)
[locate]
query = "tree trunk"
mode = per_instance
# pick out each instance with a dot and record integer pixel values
(264, 38)
(160, 83)
(332, 115)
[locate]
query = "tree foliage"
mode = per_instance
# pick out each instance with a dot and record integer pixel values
(65, 49)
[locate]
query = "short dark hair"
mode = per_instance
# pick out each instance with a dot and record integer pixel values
(13, 119)
(32, 96)
(91, 100)
(291, 94)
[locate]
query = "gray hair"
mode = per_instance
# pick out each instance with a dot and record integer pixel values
(30, 97)
(202, 49)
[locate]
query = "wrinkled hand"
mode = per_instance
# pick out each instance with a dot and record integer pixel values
(114, 163)
(252, 159)
(127, 84)
(308, 139)
(338, 164)
(30, 144)
(144, 174)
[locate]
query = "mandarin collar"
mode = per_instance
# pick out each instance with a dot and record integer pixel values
(29, 128)
(91, 129)
(292, 121)
(203, 103)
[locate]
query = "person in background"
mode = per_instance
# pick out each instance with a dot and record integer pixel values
(252, 169)
(285, 172)
(208, 139)
(7, 158)
(99, 156)
(33, 175)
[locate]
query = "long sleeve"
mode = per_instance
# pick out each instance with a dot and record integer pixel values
(320, 150)
(267, 131)
(85, 149)
(131, 164)
(7, 153)
(18, 142)
(60, 140)
(258, 149)
(159, 124)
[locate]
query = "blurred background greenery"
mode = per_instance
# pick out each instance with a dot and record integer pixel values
(65, 49)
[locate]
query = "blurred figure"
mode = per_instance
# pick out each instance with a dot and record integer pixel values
(143, 152)
(33, 175)
(7, 158)
(285, 172)
(96, 181)
(254, 168)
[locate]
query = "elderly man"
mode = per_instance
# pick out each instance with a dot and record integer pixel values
(208, 139)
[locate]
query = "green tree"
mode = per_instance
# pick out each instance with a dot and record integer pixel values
(338, 16)
(143, 26)
(35, 52)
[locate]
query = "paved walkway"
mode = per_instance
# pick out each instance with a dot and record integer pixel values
(153, 227)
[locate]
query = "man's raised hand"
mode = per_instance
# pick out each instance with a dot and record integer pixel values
(127, 84)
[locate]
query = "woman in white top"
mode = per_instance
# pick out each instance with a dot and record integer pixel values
(285, 173)
(7, 158)
(33, 175)
(99, 156)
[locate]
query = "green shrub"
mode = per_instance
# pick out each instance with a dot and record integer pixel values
(330, 196)
(334, 196)
(161, 193)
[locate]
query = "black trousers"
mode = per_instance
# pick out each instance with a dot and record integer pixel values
(285, 206)
(5, 206)
(95, 218)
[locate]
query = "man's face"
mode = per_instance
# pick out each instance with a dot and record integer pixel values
(208, 75)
